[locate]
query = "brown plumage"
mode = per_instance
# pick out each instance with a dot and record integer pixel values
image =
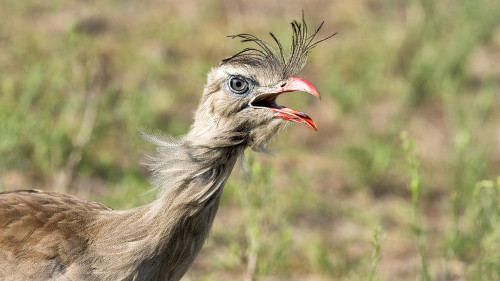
(50, 236)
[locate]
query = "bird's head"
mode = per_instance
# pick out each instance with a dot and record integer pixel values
(240, 94)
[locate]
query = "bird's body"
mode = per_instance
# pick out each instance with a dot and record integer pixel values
(50, 236)
(55, 234)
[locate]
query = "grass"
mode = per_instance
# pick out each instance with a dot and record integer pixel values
(267, 235)
(416, 191)
(77, 81)
(378, 238)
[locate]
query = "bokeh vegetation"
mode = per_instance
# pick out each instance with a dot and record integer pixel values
(407, 146)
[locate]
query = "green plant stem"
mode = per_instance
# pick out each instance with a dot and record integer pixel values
(413, 162)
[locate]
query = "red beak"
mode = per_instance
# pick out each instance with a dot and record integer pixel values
(291, 85)
(298, 84)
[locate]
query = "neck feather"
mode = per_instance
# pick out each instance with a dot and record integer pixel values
(162, 239)
(202, 157)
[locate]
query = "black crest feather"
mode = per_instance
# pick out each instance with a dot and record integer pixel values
(275, 60)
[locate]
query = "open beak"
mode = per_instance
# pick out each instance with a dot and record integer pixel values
(293, 84)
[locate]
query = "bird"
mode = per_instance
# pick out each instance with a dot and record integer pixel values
(50, 236)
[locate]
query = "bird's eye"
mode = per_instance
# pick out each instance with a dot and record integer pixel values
(238, 85)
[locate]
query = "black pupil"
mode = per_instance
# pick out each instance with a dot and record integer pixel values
(238, 85)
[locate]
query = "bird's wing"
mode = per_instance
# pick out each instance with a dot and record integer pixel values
(40, 199)
(45, 230)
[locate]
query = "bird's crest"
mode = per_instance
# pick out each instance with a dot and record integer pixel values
(275, 59)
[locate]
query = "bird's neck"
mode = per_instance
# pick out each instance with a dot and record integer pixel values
(168, 233)
(191, 177)
(190, 172)
(189, 204)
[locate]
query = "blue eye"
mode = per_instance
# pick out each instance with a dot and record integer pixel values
(238, 85)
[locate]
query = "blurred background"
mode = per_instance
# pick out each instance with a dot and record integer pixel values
(399, 183)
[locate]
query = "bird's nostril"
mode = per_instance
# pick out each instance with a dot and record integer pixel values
(283, 85)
